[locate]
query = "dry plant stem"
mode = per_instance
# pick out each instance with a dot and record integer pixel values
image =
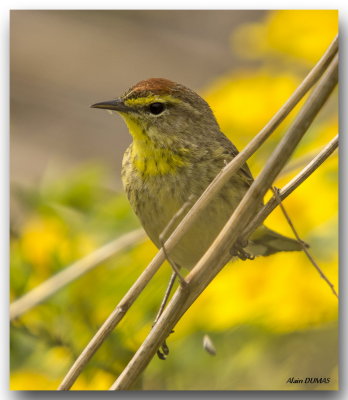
(287, 190)
(216, 256)
(304, 248)
(290, 187)
(227, 172)
(198, 207)
(119, 311)
(74, 271)
(300, 162)
(110, 323)
(171, 224)
(52, 285)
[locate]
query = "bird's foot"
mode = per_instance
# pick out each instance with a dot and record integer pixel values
(163, 351)
(238, 251)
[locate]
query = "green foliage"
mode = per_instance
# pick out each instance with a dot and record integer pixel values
(270, 319)
(64, 220)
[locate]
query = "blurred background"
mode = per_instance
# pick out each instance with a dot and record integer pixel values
(64, 61)
(270, 319)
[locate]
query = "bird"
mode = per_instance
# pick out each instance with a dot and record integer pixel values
(177, 150)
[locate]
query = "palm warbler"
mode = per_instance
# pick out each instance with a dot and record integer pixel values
(177, 150)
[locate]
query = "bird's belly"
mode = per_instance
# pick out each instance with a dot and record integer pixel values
(156, 209)
(202, 234)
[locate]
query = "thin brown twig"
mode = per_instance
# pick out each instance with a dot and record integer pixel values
(300, 162)
(195, 211)
(294, 183)
(290, 187)
(217, 254)
(304, 247)
(69, 274)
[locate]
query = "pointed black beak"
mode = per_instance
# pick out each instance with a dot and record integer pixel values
(115, 105)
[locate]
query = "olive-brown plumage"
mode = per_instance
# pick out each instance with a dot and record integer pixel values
(177, 150)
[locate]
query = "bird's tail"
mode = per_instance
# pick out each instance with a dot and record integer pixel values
(264, 242)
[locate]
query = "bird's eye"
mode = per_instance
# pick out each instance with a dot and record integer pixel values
(156, 108)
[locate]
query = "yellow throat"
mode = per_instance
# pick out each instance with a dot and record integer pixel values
(147, 158)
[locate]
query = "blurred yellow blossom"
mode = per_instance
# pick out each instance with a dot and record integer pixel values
(302, 35)
(282, 294)
(46, 240)
(101, 380)
(42, 238)
(244, 101)
(27, 379)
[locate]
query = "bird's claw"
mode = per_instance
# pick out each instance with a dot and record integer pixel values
(238, 251)
(163, 351)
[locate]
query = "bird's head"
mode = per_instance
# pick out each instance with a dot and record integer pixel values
(163, 112)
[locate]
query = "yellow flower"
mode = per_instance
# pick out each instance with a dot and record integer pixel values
(42, 238)
(27, 379)
(302, 35)
(243, 102)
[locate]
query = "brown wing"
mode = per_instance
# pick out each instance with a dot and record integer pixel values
(231, 150)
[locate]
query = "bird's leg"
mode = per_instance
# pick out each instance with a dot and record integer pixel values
(164, 349)
(171, 263)
(165, 297)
